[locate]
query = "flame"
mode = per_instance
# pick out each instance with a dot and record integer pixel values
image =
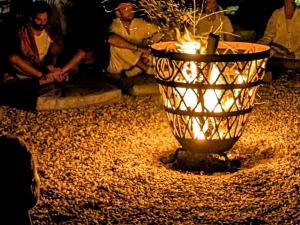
(211, 97)
(189, 72)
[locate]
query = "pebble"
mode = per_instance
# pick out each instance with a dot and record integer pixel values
(100, 165)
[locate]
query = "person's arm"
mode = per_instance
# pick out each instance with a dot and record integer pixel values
(17, 61)
(23, 66)
(74, 62)
(60, 74)
(118, 41)
(229, 37)
(228, 29)
(270, 30)
(153, 34)
(154, 38)
(54, 51)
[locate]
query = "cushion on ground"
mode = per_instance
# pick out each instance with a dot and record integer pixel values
(77, 95)
(139, 85)
(288, 64)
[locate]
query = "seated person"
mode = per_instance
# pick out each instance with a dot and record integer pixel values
(21, 183)
(283, 32)
(36, 50)
(128, 42)
(86, 24)
(215, 22)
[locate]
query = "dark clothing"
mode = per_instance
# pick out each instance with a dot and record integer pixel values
(87, 25)
(20, 189)
(21, 94)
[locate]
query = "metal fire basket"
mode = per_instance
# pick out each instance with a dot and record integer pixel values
(208, 97)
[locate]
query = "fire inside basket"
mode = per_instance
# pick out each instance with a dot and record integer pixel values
(208, 97)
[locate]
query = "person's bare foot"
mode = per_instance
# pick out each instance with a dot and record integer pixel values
(55, 76)
(8, 77)
(59, 76)
(49, 78)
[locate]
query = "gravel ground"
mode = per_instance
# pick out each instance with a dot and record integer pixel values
(100, 165)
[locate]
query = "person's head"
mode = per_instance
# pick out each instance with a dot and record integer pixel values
(125, 10)
(20, 183)
(289, 2)
(211, 6)
(39, 15)
(16, 163)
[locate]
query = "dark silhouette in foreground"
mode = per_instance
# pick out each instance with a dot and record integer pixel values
(20, 182)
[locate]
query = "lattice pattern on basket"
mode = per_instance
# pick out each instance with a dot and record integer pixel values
(209, 100)
(228, 72)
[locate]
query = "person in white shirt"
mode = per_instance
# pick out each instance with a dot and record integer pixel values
(215, 22)
(128, 35)
(283, 32)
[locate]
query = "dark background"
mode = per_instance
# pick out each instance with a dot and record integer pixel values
(252, 14)
(88, 21)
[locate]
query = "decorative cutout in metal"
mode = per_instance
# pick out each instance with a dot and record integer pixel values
(208, 97)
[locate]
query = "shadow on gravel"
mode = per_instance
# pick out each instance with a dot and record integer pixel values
(197, 163)
(209, 164)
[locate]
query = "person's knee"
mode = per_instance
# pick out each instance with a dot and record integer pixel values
(81, 53)
(87, 56)
(14, 59)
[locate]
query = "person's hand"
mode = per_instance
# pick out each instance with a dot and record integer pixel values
(58, 76)
(58, 73)
(52, 68)
(278, 52)
(47, 79)
(291, 55)
(145, 52)
(146, 42)
(284, 54)
(281, 51)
